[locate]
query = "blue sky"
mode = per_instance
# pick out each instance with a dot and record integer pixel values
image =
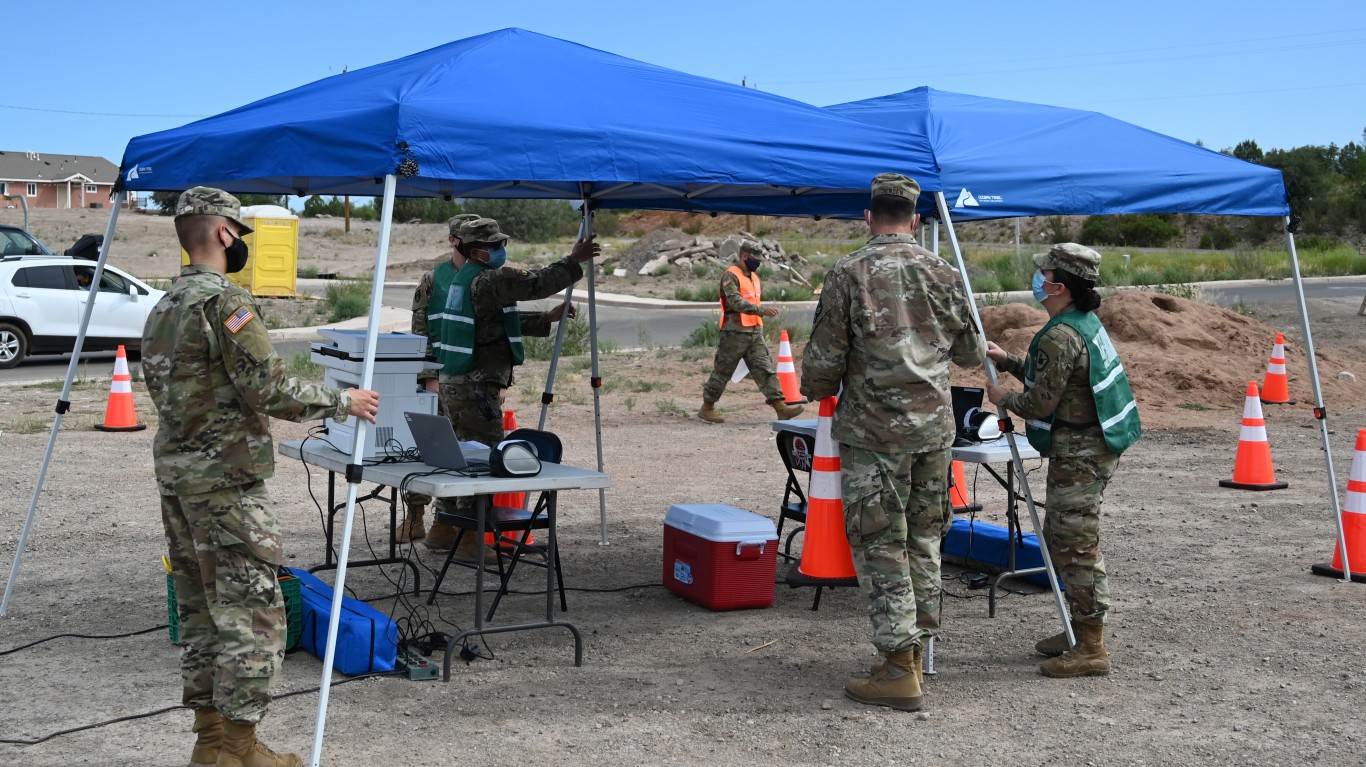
(1220, 72)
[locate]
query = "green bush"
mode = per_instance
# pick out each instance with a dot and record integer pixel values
(701, 269)
(347, 298)
(1218, 237)
(706, 335)
(576, 341)
(985, 283)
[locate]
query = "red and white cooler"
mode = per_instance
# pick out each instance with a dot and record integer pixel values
(720, 557)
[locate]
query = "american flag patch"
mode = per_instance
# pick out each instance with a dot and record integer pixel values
(238, 320)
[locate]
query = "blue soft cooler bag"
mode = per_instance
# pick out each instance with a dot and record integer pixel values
(979, 544)
(367, 639)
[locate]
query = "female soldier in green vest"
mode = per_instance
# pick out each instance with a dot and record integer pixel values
(1080, 413)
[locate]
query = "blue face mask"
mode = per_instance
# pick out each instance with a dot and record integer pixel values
(1037, 286)
(497, 257)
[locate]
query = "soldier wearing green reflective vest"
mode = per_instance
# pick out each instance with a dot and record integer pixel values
(474, 333)
(1080, 413)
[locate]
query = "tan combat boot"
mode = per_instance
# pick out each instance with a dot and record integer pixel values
(1088, 658)
(242, 749)
(1057, 644)
(919, 667)
(895, 686)
(208, 725)
(784, 410)
(440, 537)
(468, 550)
(412, 528)
(708, 412)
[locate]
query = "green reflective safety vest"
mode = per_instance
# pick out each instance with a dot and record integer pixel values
(450, 319)
(1115, 407)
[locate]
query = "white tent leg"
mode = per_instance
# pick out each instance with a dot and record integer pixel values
(943, 206)
(548, 394)
(353, 478)
(1320, 413)
(63, 400)
(596, 380)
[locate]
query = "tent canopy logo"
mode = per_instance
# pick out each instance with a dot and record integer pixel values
(965, 198)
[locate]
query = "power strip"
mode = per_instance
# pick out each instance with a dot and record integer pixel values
(416, 666)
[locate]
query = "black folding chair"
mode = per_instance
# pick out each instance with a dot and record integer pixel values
(796, 450)
(509, 552)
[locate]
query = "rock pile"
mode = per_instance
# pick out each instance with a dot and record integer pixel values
(677, 250)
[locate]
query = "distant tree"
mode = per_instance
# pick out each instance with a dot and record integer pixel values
(262, 199)
(165, 201)
(1057, 229)
(1248, 151)
(1146, 231)
(529, 220)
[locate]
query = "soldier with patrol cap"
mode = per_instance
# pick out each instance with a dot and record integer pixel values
(475, 331)
(891, 318)
(742, 337)
(1080, 413)
(413, 527)
(214, 378)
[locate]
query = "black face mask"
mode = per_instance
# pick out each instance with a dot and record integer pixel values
(237, 255)
(751, 263)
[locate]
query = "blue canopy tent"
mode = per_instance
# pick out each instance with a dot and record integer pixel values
(1011, 158)
(999, 159)
(514, 114)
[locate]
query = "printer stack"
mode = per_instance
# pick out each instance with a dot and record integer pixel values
(399, 357)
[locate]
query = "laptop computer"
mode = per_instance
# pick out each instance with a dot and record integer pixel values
(435, 440)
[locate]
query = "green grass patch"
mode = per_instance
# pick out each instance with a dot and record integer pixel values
(301, 365)
(346, 299)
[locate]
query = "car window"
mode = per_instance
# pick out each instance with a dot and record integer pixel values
(53, 277)
(113, 283)
(14, 243)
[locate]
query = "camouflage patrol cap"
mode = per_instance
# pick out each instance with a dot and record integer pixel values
(896, 185)
(1071, 257)
(459, 219)
(750, 246)
(207, 201)
(481, 230)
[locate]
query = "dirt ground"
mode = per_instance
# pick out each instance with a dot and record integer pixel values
(1226, 650)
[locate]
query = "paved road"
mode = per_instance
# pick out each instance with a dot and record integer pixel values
(632, 327)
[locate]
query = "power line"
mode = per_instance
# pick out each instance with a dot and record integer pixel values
(90, 114)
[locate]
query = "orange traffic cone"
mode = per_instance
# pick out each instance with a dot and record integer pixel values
(1252, 467)
(509, 500)
(1275, 386)
(825, 548)
(1353, 521)
(118, 414)
(958, 492)
(787, 372)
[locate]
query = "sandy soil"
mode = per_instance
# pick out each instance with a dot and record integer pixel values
(1226, 650)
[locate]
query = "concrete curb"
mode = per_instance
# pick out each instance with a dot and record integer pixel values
(394, 319)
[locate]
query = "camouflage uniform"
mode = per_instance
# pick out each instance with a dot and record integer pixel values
(214, 379)
(741, 343)
(472, 399)
(890, 319)
(1079, 465)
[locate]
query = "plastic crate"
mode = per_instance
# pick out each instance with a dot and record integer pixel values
(294, 609)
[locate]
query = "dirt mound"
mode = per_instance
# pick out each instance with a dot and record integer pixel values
(1183, 357)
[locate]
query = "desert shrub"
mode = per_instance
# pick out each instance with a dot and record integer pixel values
(1218, 237)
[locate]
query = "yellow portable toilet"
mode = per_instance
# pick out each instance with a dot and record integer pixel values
(272, 252)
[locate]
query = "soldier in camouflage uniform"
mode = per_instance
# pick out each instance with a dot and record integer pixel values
(413, 527)
(742, 338)
(215, 380)
(1081, 415)
(891, 318)
(479, 305)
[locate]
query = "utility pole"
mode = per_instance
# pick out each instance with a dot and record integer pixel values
(346, 208)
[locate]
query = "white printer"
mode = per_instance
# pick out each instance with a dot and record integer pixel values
(399, 357)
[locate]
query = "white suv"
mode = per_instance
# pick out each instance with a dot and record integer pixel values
(43, 297)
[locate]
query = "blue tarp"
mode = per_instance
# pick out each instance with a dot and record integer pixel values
(999, 158)
(517, 114)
